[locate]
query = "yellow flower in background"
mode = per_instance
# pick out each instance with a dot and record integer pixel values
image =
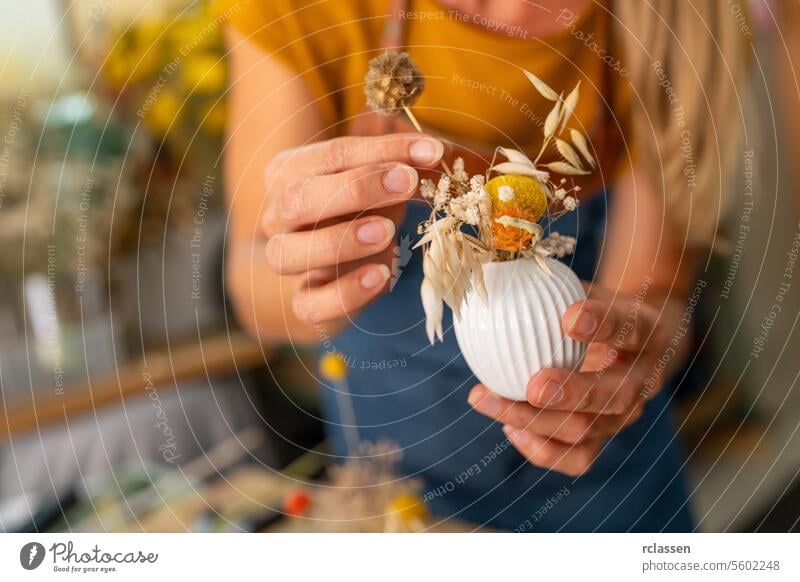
(333, 367)
(144, 51)
(171, 67)
(194, 34)
(117, 70)
(204, 73)
(213, 117)
(409, 508)
(163, 112)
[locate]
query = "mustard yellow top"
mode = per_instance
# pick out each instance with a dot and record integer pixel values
(475, 90)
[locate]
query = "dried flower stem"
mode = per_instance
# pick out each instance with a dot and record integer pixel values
(413, 119)
(418, 127)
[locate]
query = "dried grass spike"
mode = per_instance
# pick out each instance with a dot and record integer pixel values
(515, 156)
(566, 169)
(569, 154)
(542, 87)
(580, 142)
(523, 169)
(552, 120)
(569, 105)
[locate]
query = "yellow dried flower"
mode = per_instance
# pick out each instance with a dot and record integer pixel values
(528, 196)
(518, 197)
(392, 83)
(204, 73)
(408, 508)
(333, 367)
(164, 113)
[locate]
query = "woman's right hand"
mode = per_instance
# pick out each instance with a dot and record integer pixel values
(332, 212)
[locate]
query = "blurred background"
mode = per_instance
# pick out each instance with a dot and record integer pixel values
(131, 400)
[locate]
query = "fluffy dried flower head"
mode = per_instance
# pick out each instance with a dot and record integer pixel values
(392, 83)
(505, 193)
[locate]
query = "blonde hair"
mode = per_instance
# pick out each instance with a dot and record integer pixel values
(686, 61)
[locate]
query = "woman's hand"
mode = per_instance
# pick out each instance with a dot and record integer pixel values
(332, 212)
(569, 415)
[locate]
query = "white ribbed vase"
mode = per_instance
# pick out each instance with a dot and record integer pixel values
(519, 332)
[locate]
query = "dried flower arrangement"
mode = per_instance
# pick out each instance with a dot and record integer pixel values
(367, 493)
(508, 213)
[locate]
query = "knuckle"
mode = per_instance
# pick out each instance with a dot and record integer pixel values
(510, 415)
(356, 190)
(293, 200)
(303, 312)
(637, 413)
(304, 307)
(660, 335)
(273, 252)
(270, 225)
(276, 165)
(579, 426)
(583, 464)
(631, 389)
(632, 328)
(338, 150)
(610, 326)
(588, 399)
(544, 456)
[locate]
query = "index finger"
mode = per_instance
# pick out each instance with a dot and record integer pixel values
(345, 153)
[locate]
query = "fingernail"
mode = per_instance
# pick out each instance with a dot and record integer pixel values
(518, 437)
(375, 277)
(583, 323)
(399, 179)
(485, 403)
(550, 394)
(375, 231)
(426, 151)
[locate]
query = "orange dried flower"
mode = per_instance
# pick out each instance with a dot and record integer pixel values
(510, 238)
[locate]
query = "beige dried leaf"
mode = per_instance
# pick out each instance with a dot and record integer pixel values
(523, 169)
(580, 142)
(551, 122)
(542, 87)
(569, 154)
(477, 243)
(479, 285)
(543, 264)
(515, 156)
(440, 225)
(475, 270)
(569, 105)
(566, 169)
(432, 304)
(532, 227)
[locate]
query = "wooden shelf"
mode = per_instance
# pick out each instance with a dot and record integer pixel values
(216, 355)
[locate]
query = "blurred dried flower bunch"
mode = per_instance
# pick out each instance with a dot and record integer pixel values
(367, 494)
(166, 75)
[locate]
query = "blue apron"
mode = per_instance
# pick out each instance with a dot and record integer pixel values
(414, 394)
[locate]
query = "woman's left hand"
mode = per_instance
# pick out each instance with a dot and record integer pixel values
(569, 415)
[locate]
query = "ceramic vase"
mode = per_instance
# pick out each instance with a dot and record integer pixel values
(519, 332)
